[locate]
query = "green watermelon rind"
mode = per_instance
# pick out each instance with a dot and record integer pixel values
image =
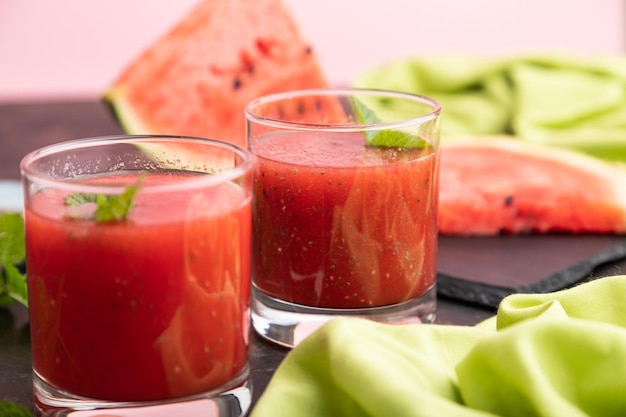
(131, 123)
(122, 111)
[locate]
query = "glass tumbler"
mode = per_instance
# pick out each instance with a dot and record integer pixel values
(345, 209)
(138, 265)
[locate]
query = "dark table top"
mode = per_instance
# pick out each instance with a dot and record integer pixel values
(27, 126)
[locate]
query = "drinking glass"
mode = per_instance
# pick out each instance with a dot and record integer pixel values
(138, 268)
(345, 209)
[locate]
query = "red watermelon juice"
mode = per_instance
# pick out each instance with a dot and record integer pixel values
(149, 308)
(338, 224)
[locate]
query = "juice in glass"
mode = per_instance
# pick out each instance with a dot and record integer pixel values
(146, 309)
(340, 225)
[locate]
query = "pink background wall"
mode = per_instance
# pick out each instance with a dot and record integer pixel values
(75, 48)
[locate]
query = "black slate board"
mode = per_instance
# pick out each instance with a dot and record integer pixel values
(484, 270)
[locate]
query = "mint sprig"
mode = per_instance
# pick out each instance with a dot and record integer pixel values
(12, 253)
(386, 138)
(109, 208)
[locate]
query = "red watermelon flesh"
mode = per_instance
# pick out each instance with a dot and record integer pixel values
(491, 186)
(197, 79)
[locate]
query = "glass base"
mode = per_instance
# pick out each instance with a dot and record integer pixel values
(287, 324)
(230, 401)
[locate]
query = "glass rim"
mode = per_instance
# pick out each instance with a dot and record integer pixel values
(27, 173)
(253, 116)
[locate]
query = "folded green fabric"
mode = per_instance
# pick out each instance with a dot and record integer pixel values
(557, 354)
(560, 100)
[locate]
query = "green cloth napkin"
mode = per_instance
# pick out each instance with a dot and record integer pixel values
(557, 354)
(560, 100)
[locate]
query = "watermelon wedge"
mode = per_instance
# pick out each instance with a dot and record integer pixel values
(500, 185)
(197, 79)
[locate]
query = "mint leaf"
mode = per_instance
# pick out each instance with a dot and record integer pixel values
(12, 252)
(77, 199)
(384, 138)
(9, 409)
(109, 208)
(16, 286)
(12, 247)
(395, 139)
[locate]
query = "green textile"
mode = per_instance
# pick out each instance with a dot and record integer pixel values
(560, 100)
(557, 354)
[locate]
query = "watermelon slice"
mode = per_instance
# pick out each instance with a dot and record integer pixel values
(491, 186)
(197, 79)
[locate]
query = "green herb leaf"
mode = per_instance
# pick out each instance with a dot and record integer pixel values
(115, 207)
(10, 409)
(385, 138)
(77, 199)
(109, 208)
(16, 286)
(12, 252)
